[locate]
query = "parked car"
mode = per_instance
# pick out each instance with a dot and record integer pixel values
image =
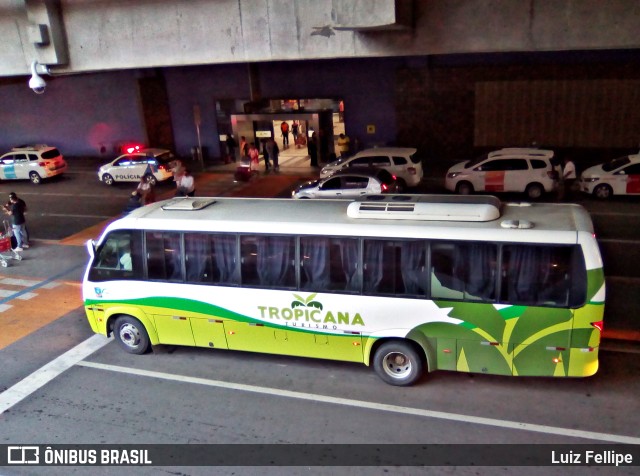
(32, 162)
(349, 183)
(532, 171)
(151, 163)
(620, 176)
(398, 161)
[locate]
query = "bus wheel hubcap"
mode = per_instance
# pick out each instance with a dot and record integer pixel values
(130, 335)
(397, 365)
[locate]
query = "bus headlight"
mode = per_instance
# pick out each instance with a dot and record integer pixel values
(590, 179)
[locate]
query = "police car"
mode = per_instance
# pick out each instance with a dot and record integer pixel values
(620, 176)
(527, 170)
(32, 162)
(131, 167)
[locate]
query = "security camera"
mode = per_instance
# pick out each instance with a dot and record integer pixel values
(36, 82)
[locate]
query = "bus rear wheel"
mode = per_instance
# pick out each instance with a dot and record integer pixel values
(131, 335)
(398, 363)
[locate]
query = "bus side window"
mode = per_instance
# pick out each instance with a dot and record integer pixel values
(413, 266)
(537, 275)
(315, 258)
(464, 271)
(226, 268)
(329, 264)
(164, 256)
(345, 259)
(395, 267)
(197, 255)
(268, 261)
(444, 284)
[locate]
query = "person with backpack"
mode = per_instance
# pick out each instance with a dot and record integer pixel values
(284, 127)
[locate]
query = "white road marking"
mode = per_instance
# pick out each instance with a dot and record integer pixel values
(19, 282)
(11, 292)
(38, 379)
(371, 405)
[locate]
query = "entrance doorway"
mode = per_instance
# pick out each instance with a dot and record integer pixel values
(258, 128)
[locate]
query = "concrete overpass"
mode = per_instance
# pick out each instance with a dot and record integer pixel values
(76, 36)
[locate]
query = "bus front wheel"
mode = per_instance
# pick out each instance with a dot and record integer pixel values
(131, 335)
(398, 363)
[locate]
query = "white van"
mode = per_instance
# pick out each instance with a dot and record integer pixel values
(506, 170)
(399, 161)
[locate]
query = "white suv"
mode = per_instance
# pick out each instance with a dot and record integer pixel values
(32, 162)
(400, 162)
(531, 171)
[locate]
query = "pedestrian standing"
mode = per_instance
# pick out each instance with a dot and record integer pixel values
(273, 151)
(186, 186)
(265, 154)
(231, 148)
(254, 156)
(312, 147)
(568, 178)
(16, 209)
(244, 147)
(284, 127)
(344, 145)
(146, 191)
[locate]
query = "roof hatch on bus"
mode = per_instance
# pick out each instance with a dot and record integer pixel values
(188, 203)
(426, 207)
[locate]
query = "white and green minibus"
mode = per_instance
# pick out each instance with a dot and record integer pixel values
(403, 283)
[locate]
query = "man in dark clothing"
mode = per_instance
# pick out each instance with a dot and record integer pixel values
(231, 148)
(16, 208)
(273, 151)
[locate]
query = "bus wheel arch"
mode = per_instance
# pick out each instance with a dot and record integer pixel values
(399, 362)
(131, 334)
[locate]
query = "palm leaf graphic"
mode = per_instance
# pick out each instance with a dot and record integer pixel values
(310, 298)
(296, 304)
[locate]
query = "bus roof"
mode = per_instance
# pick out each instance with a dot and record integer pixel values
(517, 222)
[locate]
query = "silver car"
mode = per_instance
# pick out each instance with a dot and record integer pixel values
(398, 161)
(348, 184)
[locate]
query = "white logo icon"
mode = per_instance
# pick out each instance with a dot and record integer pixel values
(23, 455)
